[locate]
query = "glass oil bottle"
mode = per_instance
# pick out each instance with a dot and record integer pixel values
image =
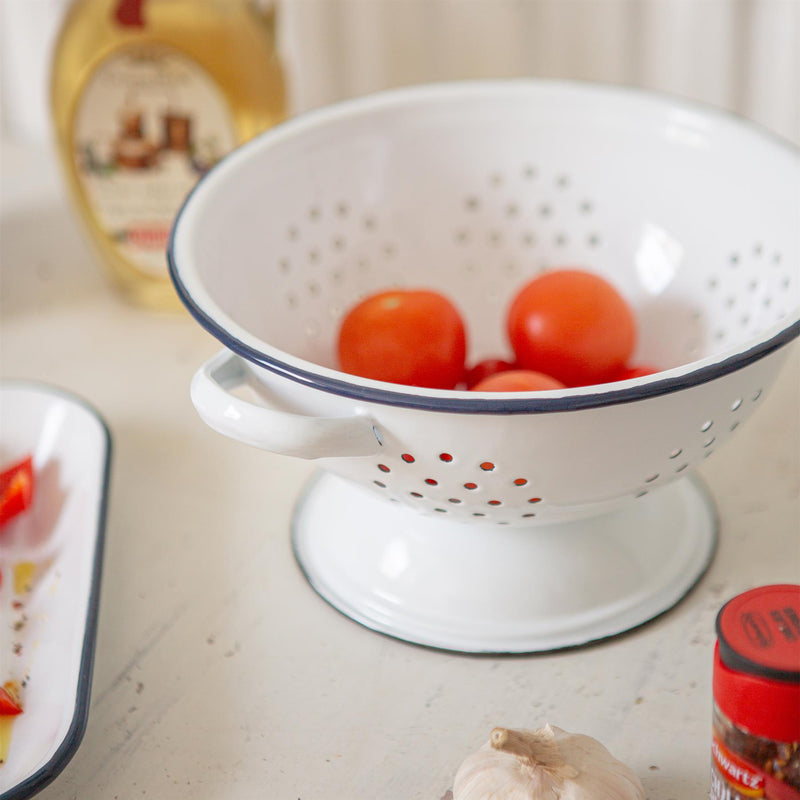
(147, 95)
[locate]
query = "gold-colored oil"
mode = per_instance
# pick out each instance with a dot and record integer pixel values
(24, 573)
(231, 41)
(6, 723)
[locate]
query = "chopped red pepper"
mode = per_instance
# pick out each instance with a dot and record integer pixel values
(9, 706)
(16, 489)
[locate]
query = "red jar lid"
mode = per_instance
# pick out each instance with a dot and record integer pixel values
(757, 662)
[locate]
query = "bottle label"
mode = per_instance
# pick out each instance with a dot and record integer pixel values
(149, 124)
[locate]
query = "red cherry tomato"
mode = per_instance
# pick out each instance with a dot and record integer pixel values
(627, 373)
(413, 337)
(517, 380)
(573, 325)
(483, 369)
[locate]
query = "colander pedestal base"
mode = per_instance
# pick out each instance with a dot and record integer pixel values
(484, 588)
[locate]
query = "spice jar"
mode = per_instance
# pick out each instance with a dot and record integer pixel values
(756, 686)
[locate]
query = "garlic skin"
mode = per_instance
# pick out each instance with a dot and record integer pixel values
(545, 764)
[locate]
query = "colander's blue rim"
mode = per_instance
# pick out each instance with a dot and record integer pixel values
(576, 398)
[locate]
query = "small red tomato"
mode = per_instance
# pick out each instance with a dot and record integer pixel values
(518, 380)
(573, 325)
(483, 369)
(413, 337)
(9, 706)
(627, 373)
(16, 489)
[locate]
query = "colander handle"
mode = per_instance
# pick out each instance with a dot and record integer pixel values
(270, 428)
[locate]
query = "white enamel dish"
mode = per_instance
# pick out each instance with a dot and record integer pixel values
(497, 522)
(48, 634)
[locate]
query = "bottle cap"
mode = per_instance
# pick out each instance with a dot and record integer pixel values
(128, 13)
(757, 662)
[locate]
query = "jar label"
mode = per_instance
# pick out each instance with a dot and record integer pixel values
(737, 774)
(149, 124)
(735, 778)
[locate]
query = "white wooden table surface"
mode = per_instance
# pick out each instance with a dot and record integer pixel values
(220, 675)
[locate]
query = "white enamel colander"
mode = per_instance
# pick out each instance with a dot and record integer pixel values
(497, 522)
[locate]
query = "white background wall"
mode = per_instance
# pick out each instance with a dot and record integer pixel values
(743, 55)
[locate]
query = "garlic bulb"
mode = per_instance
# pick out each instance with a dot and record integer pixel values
(545, 764)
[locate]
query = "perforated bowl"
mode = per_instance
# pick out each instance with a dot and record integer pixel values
(436, 511)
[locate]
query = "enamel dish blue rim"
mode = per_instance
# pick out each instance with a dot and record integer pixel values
(239, 341)
(48, 772)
